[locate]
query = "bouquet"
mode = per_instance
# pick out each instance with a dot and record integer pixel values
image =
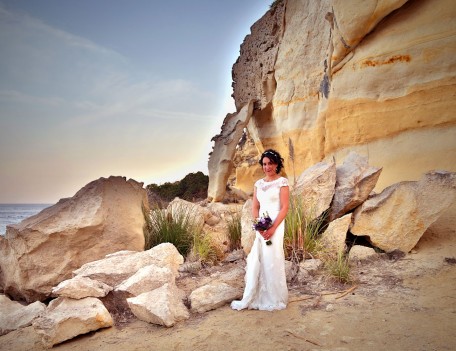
(263, 223)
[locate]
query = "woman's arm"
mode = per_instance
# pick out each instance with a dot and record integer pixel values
(255, 205)
(284, 203)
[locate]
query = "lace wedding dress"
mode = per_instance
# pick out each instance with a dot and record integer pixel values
(265, 280)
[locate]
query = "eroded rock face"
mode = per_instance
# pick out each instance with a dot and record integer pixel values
(220, 160)
(246, 165)
(375, 77)
(397, 218)
(253, 72)
(351, 22)
(103, 217)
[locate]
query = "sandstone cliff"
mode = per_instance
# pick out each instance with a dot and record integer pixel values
(329, 77)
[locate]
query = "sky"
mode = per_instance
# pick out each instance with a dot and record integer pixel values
(94, 88)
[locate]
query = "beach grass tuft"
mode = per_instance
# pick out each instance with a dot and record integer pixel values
(302, 231)
(234, 231)
(176, 226)
(205, 250)
(338, 267)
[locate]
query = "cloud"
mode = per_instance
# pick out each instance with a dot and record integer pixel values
(51, 67)
(14, 23)
(18, 97)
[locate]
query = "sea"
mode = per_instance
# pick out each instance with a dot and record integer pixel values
(15, 213)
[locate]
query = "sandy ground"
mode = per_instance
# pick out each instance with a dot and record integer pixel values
(406, 303)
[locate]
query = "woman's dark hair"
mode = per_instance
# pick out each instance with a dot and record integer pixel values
(275, 158)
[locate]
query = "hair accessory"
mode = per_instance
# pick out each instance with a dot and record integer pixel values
(270, 153)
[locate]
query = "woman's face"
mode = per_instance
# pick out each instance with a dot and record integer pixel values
(269, 168)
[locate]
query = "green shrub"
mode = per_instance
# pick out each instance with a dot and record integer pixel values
(176, 226)
(294, 229)
(204, 249)
(302, 231)
(275, 3)
(337, 266)
(234, 231)
(314, 228)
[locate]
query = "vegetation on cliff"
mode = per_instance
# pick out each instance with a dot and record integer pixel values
(275, 3)
(193, 187)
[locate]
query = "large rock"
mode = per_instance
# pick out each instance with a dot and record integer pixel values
(248, 234)
(105, 216)
(81, 287)
(147, 279)
(315, 188)
(66, 318)
(116, 268)
(334, 76)
(360, 253)
(212, 296)
(162, 306)
(179, 208)
(355, 180)
(335, 235)
(397, 218)
(14, 315)
(307, 269)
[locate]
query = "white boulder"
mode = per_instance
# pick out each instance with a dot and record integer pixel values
(14, 315)
(355, 180)
(396, 218)
(80, 287)
(147, 279)
(66, 318)
(315, 188)
(212, 296)
(114, 269)
(162, 306)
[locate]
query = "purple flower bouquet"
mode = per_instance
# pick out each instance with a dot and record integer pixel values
(263, 223)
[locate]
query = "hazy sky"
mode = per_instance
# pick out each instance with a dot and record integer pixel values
(93, 88)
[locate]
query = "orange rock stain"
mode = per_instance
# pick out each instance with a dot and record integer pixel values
(393, 59)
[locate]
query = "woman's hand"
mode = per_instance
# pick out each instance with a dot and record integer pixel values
(268, 233)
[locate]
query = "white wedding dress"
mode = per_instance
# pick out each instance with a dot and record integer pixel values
(265, 280)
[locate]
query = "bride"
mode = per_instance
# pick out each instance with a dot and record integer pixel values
(265, 280)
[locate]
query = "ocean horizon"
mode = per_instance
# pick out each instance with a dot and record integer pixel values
(16, 213)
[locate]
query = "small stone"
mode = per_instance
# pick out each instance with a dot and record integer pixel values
(330, 308)
(235, 256)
